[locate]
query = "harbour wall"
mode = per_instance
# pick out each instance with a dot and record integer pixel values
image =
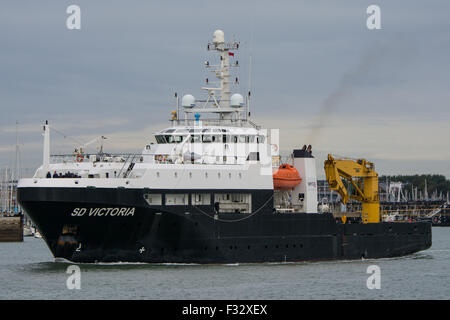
(11, 229)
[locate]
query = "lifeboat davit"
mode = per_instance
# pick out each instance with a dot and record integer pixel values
(286, 177)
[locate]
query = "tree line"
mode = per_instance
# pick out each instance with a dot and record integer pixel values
(434, 182)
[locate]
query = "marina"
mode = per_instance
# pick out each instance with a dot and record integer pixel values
(434, 209)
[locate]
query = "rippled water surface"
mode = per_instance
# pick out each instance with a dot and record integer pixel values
(27, 271)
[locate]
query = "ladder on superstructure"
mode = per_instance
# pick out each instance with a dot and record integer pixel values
(131, 160)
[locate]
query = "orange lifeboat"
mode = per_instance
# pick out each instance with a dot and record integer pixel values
(286, 177)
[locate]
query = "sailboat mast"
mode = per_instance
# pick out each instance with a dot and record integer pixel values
(10, 184)
(2, 194)
(16, 170)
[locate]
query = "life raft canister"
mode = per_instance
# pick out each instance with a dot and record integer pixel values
(286, 177)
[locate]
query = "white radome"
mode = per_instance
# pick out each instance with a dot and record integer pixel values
(218, 37)
(188, 101)
(237, 100)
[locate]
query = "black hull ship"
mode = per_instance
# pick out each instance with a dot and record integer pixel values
(192, 234)
(209, 191)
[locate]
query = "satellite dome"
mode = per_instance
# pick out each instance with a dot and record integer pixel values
(188, 101)
(237, 100)
(218, 37)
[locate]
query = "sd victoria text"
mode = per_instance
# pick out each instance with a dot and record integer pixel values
(78, 212)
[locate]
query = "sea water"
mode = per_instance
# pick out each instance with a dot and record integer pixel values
(28, 271)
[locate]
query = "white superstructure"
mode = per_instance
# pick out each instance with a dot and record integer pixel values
(213, 146)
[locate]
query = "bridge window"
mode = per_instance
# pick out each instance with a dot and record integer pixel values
(160, 139)
(174, 139)
(217, 138)
(243, 139)
(206, 138)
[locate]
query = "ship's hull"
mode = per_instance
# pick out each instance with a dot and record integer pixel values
(111, 225)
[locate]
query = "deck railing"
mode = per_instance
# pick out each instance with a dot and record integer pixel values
(215, 122)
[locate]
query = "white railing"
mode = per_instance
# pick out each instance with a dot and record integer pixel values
(215, 122)
(71, 158)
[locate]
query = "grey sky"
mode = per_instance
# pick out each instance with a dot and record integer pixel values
(318, 73)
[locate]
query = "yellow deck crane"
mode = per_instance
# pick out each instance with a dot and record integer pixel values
(362, 184)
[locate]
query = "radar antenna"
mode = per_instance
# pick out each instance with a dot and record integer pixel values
(219, 98)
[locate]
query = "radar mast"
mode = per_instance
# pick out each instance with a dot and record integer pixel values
(219, 100)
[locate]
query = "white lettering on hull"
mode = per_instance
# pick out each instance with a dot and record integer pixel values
(103, 212)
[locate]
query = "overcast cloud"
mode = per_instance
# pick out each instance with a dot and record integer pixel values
(318, 74)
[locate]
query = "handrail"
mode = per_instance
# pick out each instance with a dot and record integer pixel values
(130, 163)
(215, 121)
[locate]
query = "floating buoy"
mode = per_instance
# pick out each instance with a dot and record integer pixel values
(286, 177)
